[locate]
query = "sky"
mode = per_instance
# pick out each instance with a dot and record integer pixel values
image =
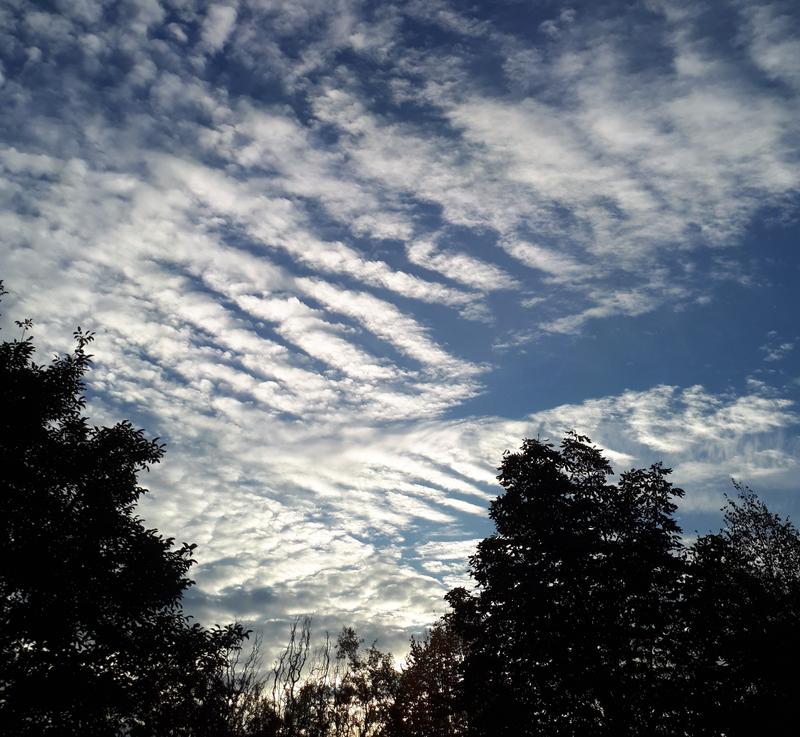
(341, 255)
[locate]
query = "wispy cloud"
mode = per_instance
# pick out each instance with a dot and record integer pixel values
(776, 348)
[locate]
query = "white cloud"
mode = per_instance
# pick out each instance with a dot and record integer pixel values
(776, 348)
(298, 284)
(388, 323)
(773, 41)
(217, 26)
(460, 267)
(554, 264)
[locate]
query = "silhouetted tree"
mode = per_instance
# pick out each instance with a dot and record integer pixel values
(367, 688)
(429, 691)
(741, 647)
(93, 639)
(570, 629)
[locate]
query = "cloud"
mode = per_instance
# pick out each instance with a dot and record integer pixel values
(556, 265)
(629, 173)
(363, 512)
(773, 41)
(388, 323)
(300, 227)
(776, 348)
(460, 267)
(217, 26)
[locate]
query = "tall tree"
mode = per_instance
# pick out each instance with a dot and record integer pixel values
(93, 639)
(741, 643)
(568, 631)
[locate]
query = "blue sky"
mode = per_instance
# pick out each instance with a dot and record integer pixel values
(341, 255)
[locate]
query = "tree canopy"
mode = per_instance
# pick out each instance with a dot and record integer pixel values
(590, 615)
(741, 613)
(428, 700)
(93, 638)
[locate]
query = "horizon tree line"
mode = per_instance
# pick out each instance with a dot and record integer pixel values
(589, 615)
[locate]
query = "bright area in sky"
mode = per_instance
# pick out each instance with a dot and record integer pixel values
(341, 255)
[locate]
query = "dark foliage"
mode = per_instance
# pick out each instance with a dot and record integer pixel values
(591, 618)
(429, 692)
(568, 630)
(93, 639)
(741, 646)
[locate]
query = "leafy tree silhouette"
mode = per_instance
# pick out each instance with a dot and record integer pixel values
(429, 692)
(93, 639)
(591, 617)
(741, 643)
(569, 630)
